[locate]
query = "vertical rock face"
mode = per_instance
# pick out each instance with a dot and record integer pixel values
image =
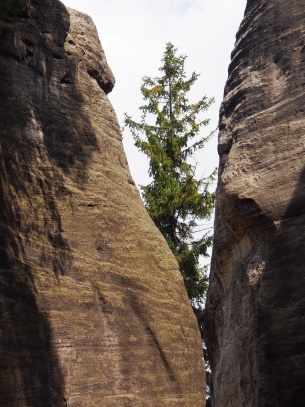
(256, 306)
(93, 307)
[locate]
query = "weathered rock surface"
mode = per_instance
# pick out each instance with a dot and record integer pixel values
(93, 307)
(256, 306)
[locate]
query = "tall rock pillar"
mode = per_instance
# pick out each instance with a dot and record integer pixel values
(256, 304)
(93, 310)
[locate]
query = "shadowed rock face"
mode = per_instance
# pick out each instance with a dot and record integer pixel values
(93, 307)
(256, 306)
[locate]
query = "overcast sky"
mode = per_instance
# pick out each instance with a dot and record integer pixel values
(133, 34)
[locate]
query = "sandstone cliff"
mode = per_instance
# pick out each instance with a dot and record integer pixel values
(255, 310)
(93, 307)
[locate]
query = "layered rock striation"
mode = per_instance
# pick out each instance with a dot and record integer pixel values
(256, 307)
(93, 308)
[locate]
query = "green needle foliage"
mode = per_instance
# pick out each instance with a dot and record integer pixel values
(169, 134)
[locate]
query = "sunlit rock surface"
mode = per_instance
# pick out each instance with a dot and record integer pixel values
(93, 307)
(256, 305)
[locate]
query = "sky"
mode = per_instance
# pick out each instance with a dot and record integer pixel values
(133, 34)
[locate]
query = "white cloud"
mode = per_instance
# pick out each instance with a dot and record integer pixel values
(133, 34)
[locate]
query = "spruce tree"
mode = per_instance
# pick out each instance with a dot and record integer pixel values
(169, 134)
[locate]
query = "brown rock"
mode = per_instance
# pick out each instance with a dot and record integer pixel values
(256, 308)
(93, 307)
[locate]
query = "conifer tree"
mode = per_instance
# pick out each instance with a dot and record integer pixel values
(169, 134)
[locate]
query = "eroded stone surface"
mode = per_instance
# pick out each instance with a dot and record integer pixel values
(255, 310)
(93, 307)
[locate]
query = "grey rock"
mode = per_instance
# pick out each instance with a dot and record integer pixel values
(255, 308)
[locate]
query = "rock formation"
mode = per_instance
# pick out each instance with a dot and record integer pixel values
(93, 307)
(256, 307)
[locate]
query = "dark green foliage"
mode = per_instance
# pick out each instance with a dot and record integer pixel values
(169, 134)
